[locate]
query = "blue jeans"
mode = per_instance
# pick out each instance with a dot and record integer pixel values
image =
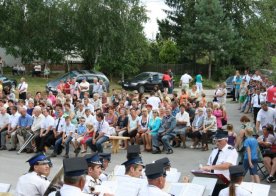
(59, 142)
(252, 171)
(166, 141)
(155, 142)
(245, 104)
(98, 146)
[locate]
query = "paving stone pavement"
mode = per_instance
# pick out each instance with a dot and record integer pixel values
(13, 165)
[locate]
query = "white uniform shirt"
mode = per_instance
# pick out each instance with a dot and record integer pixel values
(60, 125)
(37, 122)
(151, 190)
(31, 184)
(266, 117)
(255, 100)
(69, 128)
(154, 101)
(103, 126)
(240, 191)
(185, 79)
(103, 177)
(48, 122)
(227, 155)
(183, 117)
(13, 121)
(68, 190)
(4, 120)
(22, 87)
(90, 183)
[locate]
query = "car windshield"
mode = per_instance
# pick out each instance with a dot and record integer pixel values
(142, 76)
(229, 80)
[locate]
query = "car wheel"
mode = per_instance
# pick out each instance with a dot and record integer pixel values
(141, 89)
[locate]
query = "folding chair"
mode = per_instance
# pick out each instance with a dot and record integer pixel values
(261, 168)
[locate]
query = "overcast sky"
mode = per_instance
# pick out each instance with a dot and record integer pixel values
(154, 12)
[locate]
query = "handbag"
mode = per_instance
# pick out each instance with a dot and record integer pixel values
(270, 151)
(223, 121)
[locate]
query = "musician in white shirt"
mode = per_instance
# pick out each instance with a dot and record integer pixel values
(101, 135)
(22, 89)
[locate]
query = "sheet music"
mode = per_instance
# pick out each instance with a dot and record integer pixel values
(4, 188)
(127, 189)
(209, 184)
(106, 187)
(176, 189)
(184, 189)
(173, 177)
(119, 170)
(256, 189)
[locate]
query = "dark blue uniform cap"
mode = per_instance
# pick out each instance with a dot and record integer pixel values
(165, 161)
(93, 158)
(134, 161)
(155, 170)
(236, 171)
(221, 135)
(74, 166)
(106, 156)
(39, 158)
(133, 151)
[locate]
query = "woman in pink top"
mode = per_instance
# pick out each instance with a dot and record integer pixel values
(52, 98)
(218, 113)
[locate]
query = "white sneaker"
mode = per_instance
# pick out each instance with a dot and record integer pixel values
(192, 147)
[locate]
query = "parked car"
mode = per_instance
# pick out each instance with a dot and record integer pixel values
(8, 82)
(144, 81)
(87, 74)
(230, 85)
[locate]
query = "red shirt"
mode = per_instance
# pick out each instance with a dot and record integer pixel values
(166, 77)
(67, 88)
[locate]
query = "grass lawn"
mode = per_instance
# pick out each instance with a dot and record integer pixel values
(38, 83)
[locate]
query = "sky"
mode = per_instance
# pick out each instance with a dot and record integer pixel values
(154, 11)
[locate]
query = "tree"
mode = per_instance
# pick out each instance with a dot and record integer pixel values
(169, 53)
(107, 33)
(251, 25)
(28, 29)
(213, 32)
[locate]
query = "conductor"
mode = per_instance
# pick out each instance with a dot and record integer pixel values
(221, 158)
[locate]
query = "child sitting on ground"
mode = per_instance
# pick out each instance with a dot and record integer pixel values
(231, 135)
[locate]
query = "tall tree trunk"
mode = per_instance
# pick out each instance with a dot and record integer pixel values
(210, 66)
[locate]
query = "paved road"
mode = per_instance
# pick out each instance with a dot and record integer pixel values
(13, 165)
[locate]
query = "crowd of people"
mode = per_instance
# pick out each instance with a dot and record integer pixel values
(84, 118)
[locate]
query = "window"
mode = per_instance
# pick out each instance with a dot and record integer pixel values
(90, 79)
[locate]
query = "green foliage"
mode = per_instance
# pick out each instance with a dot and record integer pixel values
(105, 33)
(229, 32)
(223, 72)
(169, 53)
